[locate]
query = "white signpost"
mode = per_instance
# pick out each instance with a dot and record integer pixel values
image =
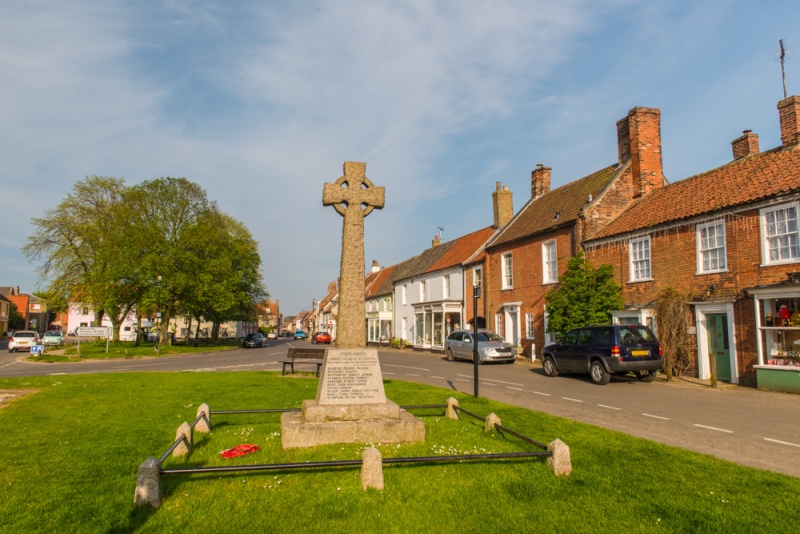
(94, 331)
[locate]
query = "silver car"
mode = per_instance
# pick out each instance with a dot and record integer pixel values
(491, 347)
(53, 338)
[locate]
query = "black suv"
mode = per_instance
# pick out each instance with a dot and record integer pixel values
(254, 340)
(605, 350)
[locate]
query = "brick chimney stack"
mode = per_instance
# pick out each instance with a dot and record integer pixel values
(639, 139)
(540, 181)
(745, 145)
(503, 204)
(435, 242)
(789, 110)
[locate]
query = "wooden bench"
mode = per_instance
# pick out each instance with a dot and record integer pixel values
(303, 356)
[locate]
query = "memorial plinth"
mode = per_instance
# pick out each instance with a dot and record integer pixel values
(351, 405)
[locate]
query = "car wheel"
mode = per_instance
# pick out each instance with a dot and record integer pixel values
(549, 367)
(511, 361)
(450, 357)
(10, 350)
(645, 376)
(599, 374)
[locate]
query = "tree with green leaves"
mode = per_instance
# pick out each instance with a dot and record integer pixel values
(584, 295)
(160, 247)
(199, 261)
(85, 249)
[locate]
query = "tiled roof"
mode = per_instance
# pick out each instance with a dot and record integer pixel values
(752, 178)
(422, 263)
(463, 248)
(380, 283)
(539, 214)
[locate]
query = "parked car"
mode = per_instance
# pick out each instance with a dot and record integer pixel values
(602, 351)
(460, 344)
(253, 340)
(321, 337)
(23, 340)
(300, 334)
(53, 338)
(272, 335)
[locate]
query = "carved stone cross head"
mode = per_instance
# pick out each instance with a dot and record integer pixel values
(353, 192)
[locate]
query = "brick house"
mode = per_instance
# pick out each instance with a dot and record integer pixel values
(524, 261)
(728, 239)
(5, 314)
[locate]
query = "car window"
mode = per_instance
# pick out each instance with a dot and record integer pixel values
(24, 334)
(466, 338)
(585, 337)
(571, 338)
(605, 336)
(641, 334)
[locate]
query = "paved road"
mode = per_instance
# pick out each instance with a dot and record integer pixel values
(756, 428)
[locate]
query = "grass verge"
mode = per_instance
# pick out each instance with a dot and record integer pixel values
(69, 455)
(96, 350)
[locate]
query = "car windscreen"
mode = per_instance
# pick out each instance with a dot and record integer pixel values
(488, 336)
(24, 334)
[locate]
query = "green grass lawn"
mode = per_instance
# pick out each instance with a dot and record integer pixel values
(69, 455)
(97, 350)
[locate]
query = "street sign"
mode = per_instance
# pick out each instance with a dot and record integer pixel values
(37, 349)
(94, 331)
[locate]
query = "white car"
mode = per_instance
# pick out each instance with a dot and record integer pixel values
(272, 335)
(23, 340)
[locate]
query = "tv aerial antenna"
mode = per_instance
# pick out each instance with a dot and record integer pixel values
(783, 71)
(441, 231)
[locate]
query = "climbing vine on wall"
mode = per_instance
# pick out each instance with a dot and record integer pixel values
(672, 312)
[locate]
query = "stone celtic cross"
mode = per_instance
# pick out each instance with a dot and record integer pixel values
(353, 196)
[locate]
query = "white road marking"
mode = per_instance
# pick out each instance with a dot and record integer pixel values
(573, 400)
(410, 374)
(389, 373)
(515, 389)
(498, 381)
(407, 367)
(463, 380)
(656, 416)
(489, 384)
(56, 374)
(609, 407)
(714, 428)
(540, 393)
(782, 442)
(439, 377)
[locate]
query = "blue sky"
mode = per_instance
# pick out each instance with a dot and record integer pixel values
(261, 103)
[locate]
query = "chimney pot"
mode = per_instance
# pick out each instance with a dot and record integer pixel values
(789, 111)
(540, 181)
(503, 206)
(745, 145)
(639, 139)
(497, 186)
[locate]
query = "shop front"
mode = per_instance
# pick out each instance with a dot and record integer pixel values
(777, 310)
(434, 321)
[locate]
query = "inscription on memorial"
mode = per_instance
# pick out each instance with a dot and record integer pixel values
(352, 376)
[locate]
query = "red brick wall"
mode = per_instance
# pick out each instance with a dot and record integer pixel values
(674, 264)
(528, 276)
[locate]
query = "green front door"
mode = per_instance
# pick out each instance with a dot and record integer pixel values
(718, 346)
